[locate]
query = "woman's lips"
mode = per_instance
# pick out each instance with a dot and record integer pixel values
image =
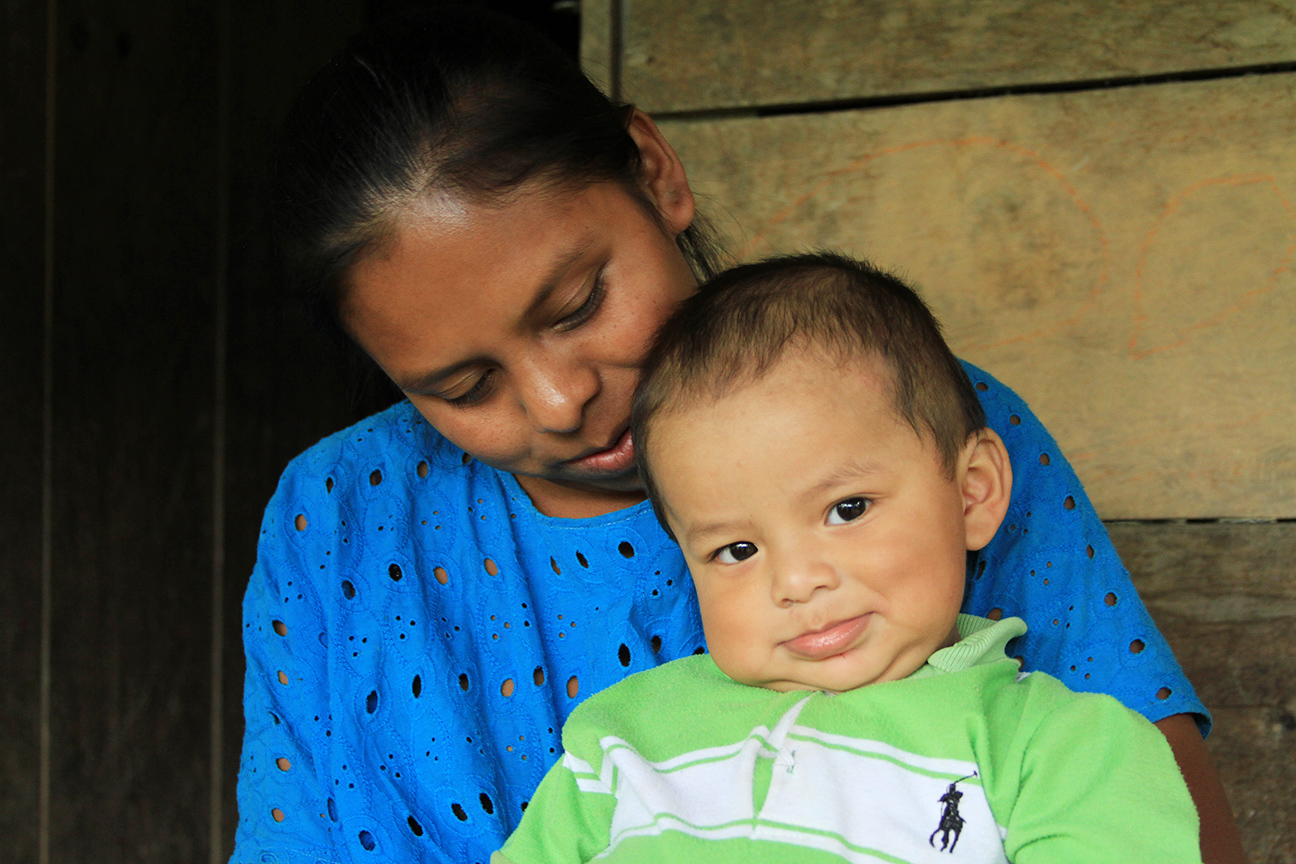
(830, 641)
(616, 459)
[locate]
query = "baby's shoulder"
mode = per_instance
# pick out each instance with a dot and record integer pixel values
(683, 706)
(670, 690)
(682, 680)
(1043, 702)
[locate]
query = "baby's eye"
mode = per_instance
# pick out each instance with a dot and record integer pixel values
(847, 511)
(735, 552)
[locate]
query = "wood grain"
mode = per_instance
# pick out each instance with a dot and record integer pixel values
(597, 57)
(1255, 753)
(135, 238)
(287, 388)
(1224, 595)
(1122, 258)
(22, 225)
(689, 55)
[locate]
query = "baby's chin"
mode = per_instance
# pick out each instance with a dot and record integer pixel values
(830, 680)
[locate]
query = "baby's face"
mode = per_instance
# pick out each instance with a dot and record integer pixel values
(827, 543)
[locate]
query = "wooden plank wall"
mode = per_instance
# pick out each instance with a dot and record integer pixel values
(154, 387)
(22, 190)
(1099, 199)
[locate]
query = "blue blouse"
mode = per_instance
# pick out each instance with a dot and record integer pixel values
(417, 632)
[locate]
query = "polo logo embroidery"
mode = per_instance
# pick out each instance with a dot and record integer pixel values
(951, 823)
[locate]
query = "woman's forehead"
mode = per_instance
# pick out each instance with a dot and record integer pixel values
(451, 270)
(445, 240)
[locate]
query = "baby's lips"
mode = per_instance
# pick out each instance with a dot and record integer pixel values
(830, 641)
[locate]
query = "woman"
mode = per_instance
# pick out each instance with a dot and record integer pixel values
(438, 586)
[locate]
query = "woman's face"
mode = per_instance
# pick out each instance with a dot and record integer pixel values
(517, 330)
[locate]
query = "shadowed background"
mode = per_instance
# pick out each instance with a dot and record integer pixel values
(1097, 198)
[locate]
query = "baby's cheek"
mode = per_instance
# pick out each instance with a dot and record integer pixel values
(738, 666)
(735, 650)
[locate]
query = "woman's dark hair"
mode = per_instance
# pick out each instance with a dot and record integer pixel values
(454, 100)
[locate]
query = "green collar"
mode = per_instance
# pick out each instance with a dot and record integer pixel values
(982, 643)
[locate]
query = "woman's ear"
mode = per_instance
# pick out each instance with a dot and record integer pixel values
(987, 487)
(661, 174)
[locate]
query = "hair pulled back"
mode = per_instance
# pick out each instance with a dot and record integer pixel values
(451, 100)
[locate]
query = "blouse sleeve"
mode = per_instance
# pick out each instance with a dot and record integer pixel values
(1052, 564)
(283, 807)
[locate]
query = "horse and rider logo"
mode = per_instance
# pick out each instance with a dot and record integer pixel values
(951, 823)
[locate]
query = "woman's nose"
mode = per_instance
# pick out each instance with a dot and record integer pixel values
(797, 580)
(555, 393)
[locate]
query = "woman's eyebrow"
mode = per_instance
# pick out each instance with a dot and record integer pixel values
(428, 382)
(562, 263)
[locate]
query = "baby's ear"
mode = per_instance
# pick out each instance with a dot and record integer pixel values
(987, 487)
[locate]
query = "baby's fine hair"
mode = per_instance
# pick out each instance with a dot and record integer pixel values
(740, 323)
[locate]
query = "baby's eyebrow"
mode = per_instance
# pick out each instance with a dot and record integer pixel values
(851, 470)
(707, 529)
(696, 533)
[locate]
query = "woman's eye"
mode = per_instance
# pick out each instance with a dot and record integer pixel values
(588, 306)
(847, 511)
(735, 552)
(480, 390)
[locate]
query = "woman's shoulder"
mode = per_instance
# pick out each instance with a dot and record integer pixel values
(356, 491)
(386, 446)
(397, 428)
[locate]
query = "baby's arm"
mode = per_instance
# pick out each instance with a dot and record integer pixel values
(568, 819)
(1099, 784)
(1053, 565)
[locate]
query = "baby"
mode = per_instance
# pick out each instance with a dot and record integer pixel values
(812, 444)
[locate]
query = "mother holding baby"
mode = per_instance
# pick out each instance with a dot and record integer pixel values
(439, 586)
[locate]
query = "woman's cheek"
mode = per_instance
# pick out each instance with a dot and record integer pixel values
(478, 431)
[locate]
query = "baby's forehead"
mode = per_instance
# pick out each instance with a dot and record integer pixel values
(683, 416)
(738, 378)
